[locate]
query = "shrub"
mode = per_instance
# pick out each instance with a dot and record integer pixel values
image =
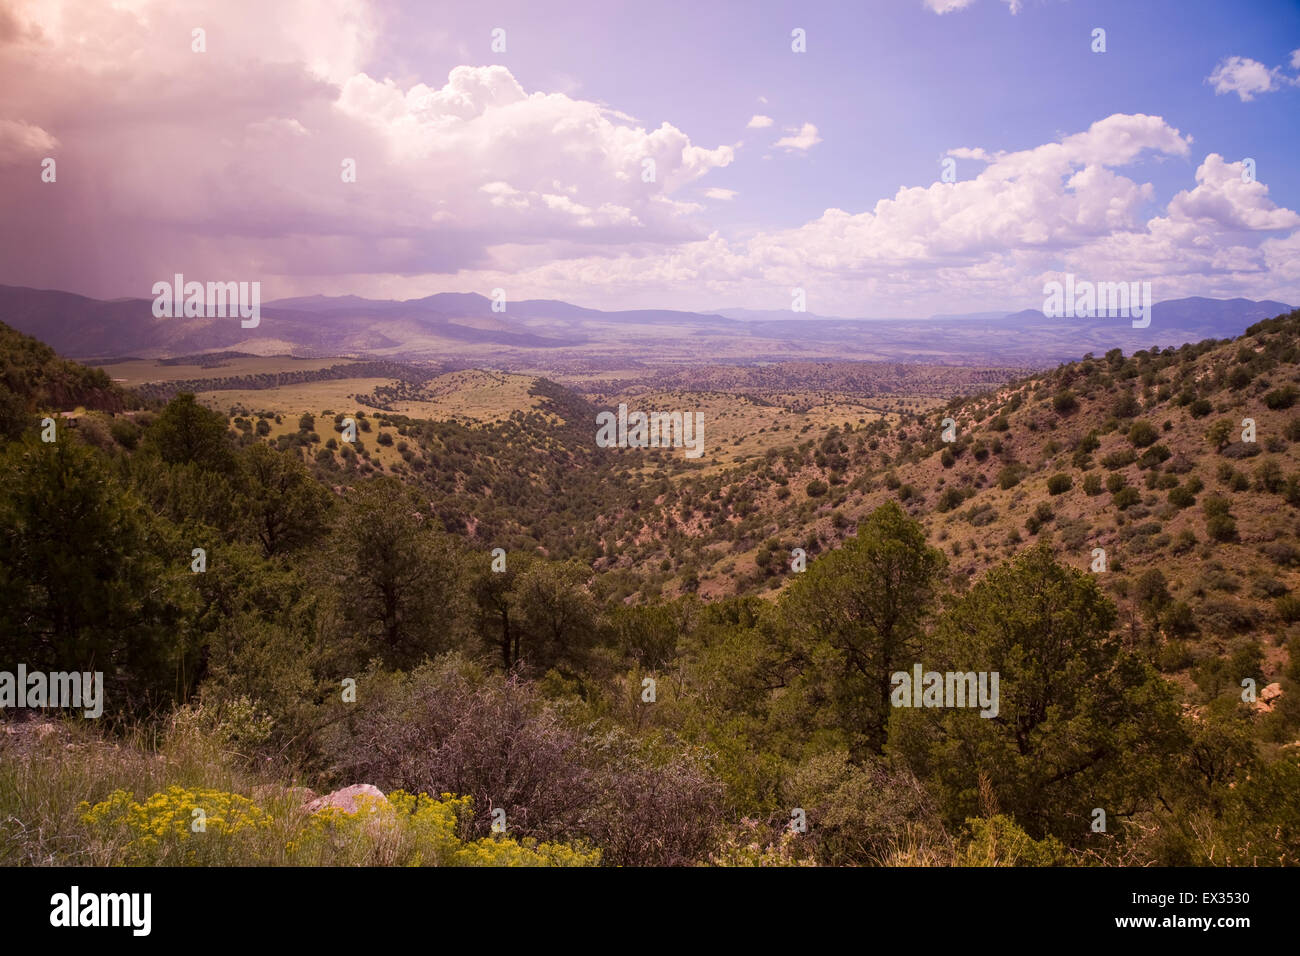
(1281, 397)
(1010, 476)
(1125, 406)
(1092, 485)
(1059, 484)
(1282, 553)
(999, 841)
(125, 432)
(817, 488)
(1268, 476)
(1239, 378)
(158, 831)
(1142, 434)
(1119, 459)
(1216, 505)
(1173, 656)
(1221, 527)
(950, 499)
(1154, 456)
(1200, 408)
(1126, 498)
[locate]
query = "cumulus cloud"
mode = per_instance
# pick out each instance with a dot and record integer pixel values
(229, 161)
(715, 192)
(759, 121)
(1224, 199)
(802, 139)
(1247, 77)
(1028, 215)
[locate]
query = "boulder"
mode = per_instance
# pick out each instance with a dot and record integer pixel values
(1268, 698)
(347, 799)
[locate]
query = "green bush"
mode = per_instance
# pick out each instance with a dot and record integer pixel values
(1059, 484)
(1221, 527)
(950, 499)
(1064, 401)
(1126, 498)
(1281, 398)
(1119, 459)
(1142, 434)
(1010, 476)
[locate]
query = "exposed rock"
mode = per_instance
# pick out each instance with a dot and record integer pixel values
(1268, 697)
(346, 799)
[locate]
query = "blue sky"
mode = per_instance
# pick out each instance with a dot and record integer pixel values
(890, 85)
(523, 169)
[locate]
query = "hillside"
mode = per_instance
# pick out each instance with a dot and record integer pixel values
(507, 593)
(1141, 456)
(33, 378)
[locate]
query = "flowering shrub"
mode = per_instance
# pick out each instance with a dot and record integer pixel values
(410, 830)
(165, 829)
(402, 830)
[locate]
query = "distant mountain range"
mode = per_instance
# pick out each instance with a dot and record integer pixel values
(448, 325)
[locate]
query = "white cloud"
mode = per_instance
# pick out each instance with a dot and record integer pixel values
(1247, 77)
(21, 142)
(715, 192)
(803, 139)
(1295, 59)
(985, 241)
(949, 6)
(1223, 200)
(965, 152)
(759, 121)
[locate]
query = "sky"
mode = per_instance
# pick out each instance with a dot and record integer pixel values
(667, 155)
